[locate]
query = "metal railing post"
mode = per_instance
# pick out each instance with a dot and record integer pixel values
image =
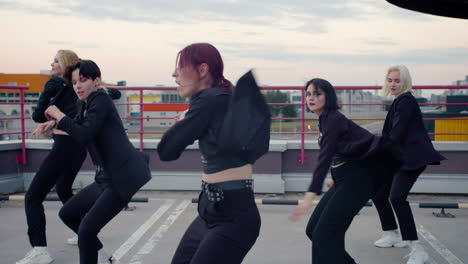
(22, 160)
(302, 156)
(141, 120)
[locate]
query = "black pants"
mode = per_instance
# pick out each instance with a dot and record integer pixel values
(223, 232)
(353, 187)
(87, 213)
(397, 188)
(59, 168)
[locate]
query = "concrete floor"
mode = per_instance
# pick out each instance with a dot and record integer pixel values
(150, 234)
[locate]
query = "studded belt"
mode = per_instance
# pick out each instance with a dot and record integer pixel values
(215, 191)
(99, 169)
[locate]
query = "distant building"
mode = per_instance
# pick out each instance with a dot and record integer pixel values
(36, 84)
(295, 97)
(160, 109)
(347, 97)
(460, 91)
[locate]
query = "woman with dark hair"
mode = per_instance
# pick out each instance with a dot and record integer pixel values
(404, 134)
(124, 169)
(61, 165)
(351, 152)
(228, 223)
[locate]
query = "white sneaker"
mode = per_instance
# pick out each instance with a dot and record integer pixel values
(104, 257)
(110, 260)
(417, 256)
(37, 255)
(73, 240)
(391, 238)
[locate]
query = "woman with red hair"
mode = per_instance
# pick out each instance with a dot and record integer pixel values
(228, 223)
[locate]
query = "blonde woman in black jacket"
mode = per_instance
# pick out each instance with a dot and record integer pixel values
(405, 136)
(61, 165)
(125, 170)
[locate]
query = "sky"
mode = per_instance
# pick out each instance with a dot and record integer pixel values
(348, 42)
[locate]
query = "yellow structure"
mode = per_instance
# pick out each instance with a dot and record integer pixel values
(451, 126)
(36, 82)
(146, 98)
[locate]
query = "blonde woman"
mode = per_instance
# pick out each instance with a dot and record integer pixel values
(61, 165)
(406, 138)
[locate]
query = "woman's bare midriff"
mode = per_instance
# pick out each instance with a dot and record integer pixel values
(60, 132)
(241, 173)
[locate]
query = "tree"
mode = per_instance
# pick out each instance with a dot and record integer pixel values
(280, 97)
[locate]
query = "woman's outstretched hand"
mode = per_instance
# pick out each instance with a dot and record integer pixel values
(44, 128)
(54, 112)
(303, 207)
(330, 183)
(181, 116)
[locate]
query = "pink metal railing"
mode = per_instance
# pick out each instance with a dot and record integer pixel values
(22, 157)
(302, 133)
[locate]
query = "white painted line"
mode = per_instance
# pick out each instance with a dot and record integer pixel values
(157, 236)
(438, 246)
(133, 239)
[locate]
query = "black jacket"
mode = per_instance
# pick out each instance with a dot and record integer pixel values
(340, 136)
(404, 134)
(246, 127)
(99, 123)
(203, 121)
(56, 92)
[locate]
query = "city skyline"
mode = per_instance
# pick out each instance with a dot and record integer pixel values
(346, 42)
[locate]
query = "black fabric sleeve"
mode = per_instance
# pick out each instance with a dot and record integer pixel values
(114, 93)
(86, 129)
(331, 128)
(187, 130)
(51, 89)
(404, 110)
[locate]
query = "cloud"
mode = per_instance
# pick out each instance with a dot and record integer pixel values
(88, 46)
(381, 42)
(74, 45)
(309, 15)
(276, 53)
(382, 7)
(59, 43)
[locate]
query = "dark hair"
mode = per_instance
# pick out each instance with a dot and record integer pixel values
(198, 53)
(88, 69)
(331, 101)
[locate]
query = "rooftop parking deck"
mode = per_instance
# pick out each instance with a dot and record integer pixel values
(150, 233)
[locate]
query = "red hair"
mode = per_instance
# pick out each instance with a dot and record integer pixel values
(198, 53)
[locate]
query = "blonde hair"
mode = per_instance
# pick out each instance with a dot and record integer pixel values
(66, 58)
(405, 79)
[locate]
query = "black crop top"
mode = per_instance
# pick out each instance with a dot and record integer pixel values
(202, 121)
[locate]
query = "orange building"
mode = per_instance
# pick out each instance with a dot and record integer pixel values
(36, 82)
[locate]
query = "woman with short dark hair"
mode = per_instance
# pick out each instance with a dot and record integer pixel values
(351, 152)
